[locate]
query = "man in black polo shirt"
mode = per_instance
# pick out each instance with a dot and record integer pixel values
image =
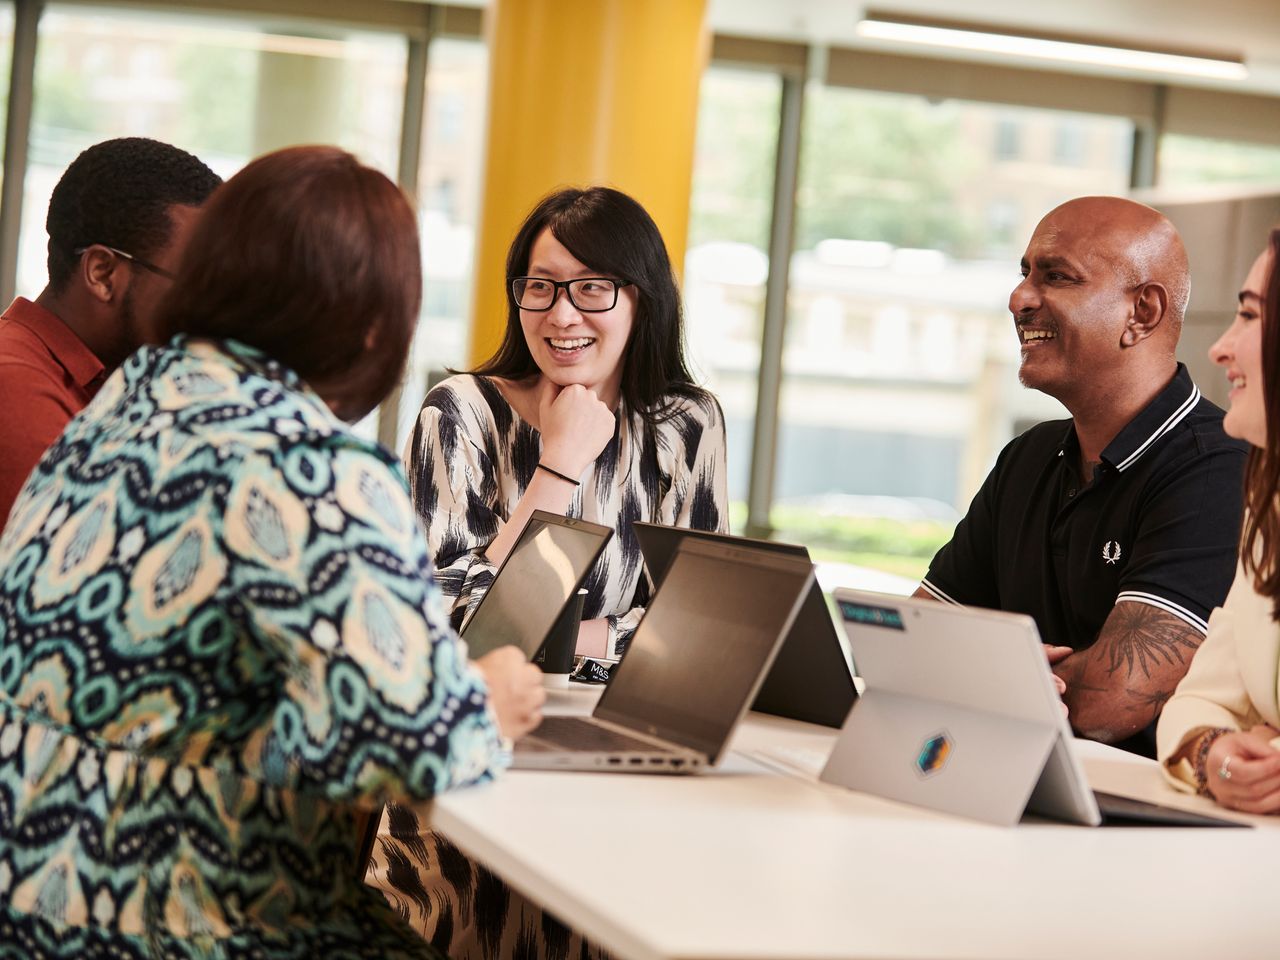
(1116, 530)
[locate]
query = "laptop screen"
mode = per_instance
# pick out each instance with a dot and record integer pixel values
(543, 570)
(706, 640)
(658, 545)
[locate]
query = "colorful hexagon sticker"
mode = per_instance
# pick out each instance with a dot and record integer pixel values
(933, 754)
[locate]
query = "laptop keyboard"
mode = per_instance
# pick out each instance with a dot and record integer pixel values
(581, 734)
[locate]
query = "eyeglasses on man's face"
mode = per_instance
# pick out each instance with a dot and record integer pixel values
(136, 261)
(588, 294)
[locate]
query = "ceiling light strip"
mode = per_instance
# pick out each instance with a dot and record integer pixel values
(1062, 51)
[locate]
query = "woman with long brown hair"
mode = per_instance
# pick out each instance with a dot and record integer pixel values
(1220, 732)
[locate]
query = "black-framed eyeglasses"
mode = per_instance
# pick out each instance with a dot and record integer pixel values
(588, 294)
(136, 261)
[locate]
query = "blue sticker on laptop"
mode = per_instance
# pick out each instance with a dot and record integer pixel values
(871, 616)
(934, 753)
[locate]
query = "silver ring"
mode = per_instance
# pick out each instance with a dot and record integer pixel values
(1223, 771)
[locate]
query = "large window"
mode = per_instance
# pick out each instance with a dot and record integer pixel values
(1194, 160)
(6, 60)
(727, 262)
(448, 213)
(224, 90)
(900, 381)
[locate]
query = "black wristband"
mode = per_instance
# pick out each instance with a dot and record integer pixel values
(557, 473)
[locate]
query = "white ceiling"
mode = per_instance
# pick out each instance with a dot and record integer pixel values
(1250, 28)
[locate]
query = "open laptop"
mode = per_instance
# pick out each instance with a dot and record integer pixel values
(811, 679)
(533, 586)
(960, 714)
(693, 665)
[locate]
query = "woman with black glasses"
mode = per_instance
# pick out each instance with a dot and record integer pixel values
(587, 409)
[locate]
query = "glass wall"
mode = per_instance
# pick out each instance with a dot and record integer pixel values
(6, 61)
(1194, 160)
(728, 261)
(448, 214)
(900, 367)
(224, 89)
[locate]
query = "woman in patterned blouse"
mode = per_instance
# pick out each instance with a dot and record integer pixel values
(219, 633)
(587, 409)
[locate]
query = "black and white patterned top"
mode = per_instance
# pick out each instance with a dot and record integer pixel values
(471, 457)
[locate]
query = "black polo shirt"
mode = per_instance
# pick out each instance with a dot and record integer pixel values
(1159, 523)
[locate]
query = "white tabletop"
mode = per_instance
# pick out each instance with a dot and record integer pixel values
(757, 859)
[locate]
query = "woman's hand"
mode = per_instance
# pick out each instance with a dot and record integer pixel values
(1242, 771)
(575, 426)
(515, 690)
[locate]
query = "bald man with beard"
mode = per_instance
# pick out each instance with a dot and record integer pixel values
(1116, 529)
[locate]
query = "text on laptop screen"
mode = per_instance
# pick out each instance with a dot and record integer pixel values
(703, 645)
(534, 584)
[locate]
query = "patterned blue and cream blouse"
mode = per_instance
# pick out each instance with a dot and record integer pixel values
(219, 637)
(471, 457)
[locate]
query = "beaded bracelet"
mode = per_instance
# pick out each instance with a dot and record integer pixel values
(557, 473)
(1202, 757)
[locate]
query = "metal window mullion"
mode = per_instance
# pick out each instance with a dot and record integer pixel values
(411, 125)
(1144, 170)
(17, 138)
(764, 441)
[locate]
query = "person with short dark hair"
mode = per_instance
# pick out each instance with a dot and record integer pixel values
(1115, 529)
(1219, 734)
(220, 636)
(118, 221)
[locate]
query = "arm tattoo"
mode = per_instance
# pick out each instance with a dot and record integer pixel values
(1120, 684)
(1153, 700)
(1143, 637)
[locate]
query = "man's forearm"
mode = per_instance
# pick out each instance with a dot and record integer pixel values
(1119, 684)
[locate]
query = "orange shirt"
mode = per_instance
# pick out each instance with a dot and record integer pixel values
(47, 376)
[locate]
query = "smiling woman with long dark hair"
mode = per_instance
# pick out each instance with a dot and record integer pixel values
(1220, 732)
(587, 409)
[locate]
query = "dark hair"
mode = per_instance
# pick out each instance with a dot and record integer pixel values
(313, 259)
(118, 193)
(1260, 545)
(612, 234)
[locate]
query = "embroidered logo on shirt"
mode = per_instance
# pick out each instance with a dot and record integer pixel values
(1111, 551)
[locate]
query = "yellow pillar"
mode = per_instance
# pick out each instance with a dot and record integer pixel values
(585, 92)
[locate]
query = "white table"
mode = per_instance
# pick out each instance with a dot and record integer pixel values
(757, 859)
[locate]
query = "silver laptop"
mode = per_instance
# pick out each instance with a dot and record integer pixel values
(960, 714)
(546, 567)
(691, 670)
